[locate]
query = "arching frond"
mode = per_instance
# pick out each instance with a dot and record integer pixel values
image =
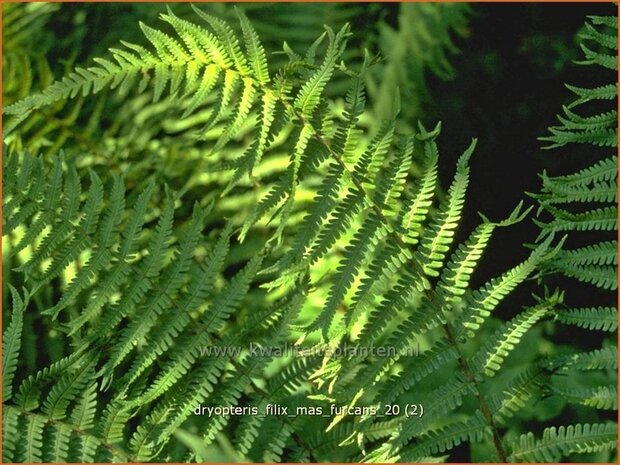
(248, 260)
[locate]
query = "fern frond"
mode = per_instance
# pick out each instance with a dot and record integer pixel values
(602, 253)
(604, 60)
(438, 236)
(563, 441)
(559, 193)
(255, 50)
(143, 278)
(33, 439)
(231, 392)
(415, 211)
(605, 277)
(105, 239)
(325, 202)
(183, 356)
(490, 358)
(11, 342)
(67, 441)
(485, 299)
(521, 390)
(112, 279)
(601, 397)
(594, 318)
(603, 171)
(286, 383)
(354, 255)
(416, 369)
(599, 129)
(170, 281)
(599, 219)
(66, 390)
(85, 229)
(196, 60)
(606, 92)
(173, 324)
(602, 359)
(67, 201)
(396, 299)
(308, 98)
(150, 303)
(595, 264)
(381, 271)
(83, 414)
(443, 439)
(60, 440)
(23, 194)
(604, 137)
(28, 396)
(10, 422)
(442, 401)
(113, 421)
(456, 275)
(601, 37)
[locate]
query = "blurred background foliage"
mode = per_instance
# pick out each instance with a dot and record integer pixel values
(491, 71)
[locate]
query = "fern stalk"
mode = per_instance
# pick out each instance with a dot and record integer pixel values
(484, 406)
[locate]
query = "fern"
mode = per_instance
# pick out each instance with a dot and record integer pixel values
(491, 356)
(528, 387)
(599, 45)
(20, 23)
(584, 201)
(160, 301)
(11, 344)
(64, 392)
(600, 318)
(563, 441)
(594, 187)
(438, 441)
(422, 44)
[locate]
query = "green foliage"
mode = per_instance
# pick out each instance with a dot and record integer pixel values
(600, 48)
(423, 40)
(579, 202)
(23, 26)
(267, 213)
(563, 441)
(587, 200)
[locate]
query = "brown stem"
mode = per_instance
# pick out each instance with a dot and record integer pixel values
(484, 408)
